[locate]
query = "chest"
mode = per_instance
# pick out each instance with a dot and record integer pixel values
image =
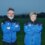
(10, 25)
(33, 26)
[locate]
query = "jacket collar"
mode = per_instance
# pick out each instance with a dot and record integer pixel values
(35, 22)
(11, 20)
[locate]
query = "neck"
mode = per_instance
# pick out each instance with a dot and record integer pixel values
(33, 21)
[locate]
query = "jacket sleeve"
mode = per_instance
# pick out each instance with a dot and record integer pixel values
(17, 27)
(4, 28)
(38, 28)
(26, 29)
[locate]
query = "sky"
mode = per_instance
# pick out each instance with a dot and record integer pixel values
(22, 6)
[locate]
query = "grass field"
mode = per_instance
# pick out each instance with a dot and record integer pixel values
(20, 35)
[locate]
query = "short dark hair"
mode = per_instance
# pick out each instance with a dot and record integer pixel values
(11, 9)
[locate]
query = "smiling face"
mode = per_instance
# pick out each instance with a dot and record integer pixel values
(33, 17)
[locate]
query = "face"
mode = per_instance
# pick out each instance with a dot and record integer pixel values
(33, 17)
(10, 13)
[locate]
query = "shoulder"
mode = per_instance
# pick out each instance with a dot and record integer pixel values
(39, 23)
(17, 23)
(27, 23)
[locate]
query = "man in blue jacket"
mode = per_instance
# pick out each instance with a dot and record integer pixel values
(32, 31)
(9, 28)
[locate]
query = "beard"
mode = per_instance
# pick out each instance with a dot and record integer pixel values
(10, 17)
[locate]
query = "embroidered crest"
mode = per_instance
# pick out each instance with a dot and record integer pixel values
(8, 27)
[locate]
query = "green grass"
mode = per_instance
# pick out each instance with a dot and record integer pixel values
(20, 35)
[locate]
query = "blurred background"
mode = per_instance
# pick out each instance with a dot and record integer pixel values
(22, 9)
(22, 6)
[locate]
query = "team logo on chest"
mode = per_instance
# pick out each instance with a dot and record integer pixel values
(8, 27)
(29, 24)
(8, 23)
(16, 25)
